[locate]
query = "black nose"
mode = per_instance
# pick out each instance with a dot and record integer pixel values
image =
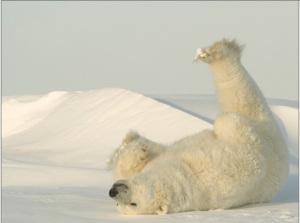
(113, 192)
(117, 188)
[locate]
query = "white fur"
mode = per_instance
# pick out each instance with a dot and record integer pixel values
(243, 160)
(133, 154)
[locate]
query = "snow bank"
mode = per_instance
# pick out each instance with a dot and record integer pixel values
(80, 129)
(22, 113)
(288, 117)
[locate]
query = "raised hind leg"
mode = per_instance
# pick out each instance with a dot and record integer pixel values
(236, 128)
(237, 92)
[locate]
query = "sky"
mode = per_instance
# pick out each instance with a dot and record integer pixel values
(146, 47)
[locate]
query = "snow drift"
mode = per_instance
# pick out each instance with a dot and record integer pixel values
(80, 129)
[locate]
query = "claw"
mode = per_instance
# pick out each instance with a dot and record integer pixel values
(200, 54)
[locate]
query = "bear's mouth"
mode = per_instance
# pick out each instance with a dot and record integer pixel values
(131, 204)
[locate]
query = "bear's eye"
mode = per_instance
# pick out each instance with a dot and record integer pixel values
(133, 204)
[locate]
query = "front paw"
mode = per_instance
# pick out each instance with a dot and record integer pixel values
(131, 157)
(131, 161)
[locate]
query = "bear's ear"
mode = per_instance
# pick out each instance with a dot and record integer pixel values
(162, 209)
(130, 136)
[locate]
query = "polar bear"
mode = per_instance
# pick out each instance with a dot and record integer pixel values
(242, 160)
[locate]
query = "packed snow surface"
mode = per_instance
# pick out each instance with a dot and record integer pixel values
(55, 149)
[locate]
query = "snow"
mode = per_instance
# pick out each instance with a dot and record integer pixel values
(55, 149)
(22, 114)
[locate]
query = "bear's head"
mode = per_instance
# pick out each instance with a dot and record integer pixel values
(134, 196)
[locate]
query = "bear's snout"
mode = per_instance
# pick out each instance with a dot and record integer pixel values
(116, 189)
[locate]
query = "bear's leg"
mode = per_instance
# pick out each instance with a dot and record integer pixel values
(235, 128)
(237, 92)
(131, 161)
(133, 155)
